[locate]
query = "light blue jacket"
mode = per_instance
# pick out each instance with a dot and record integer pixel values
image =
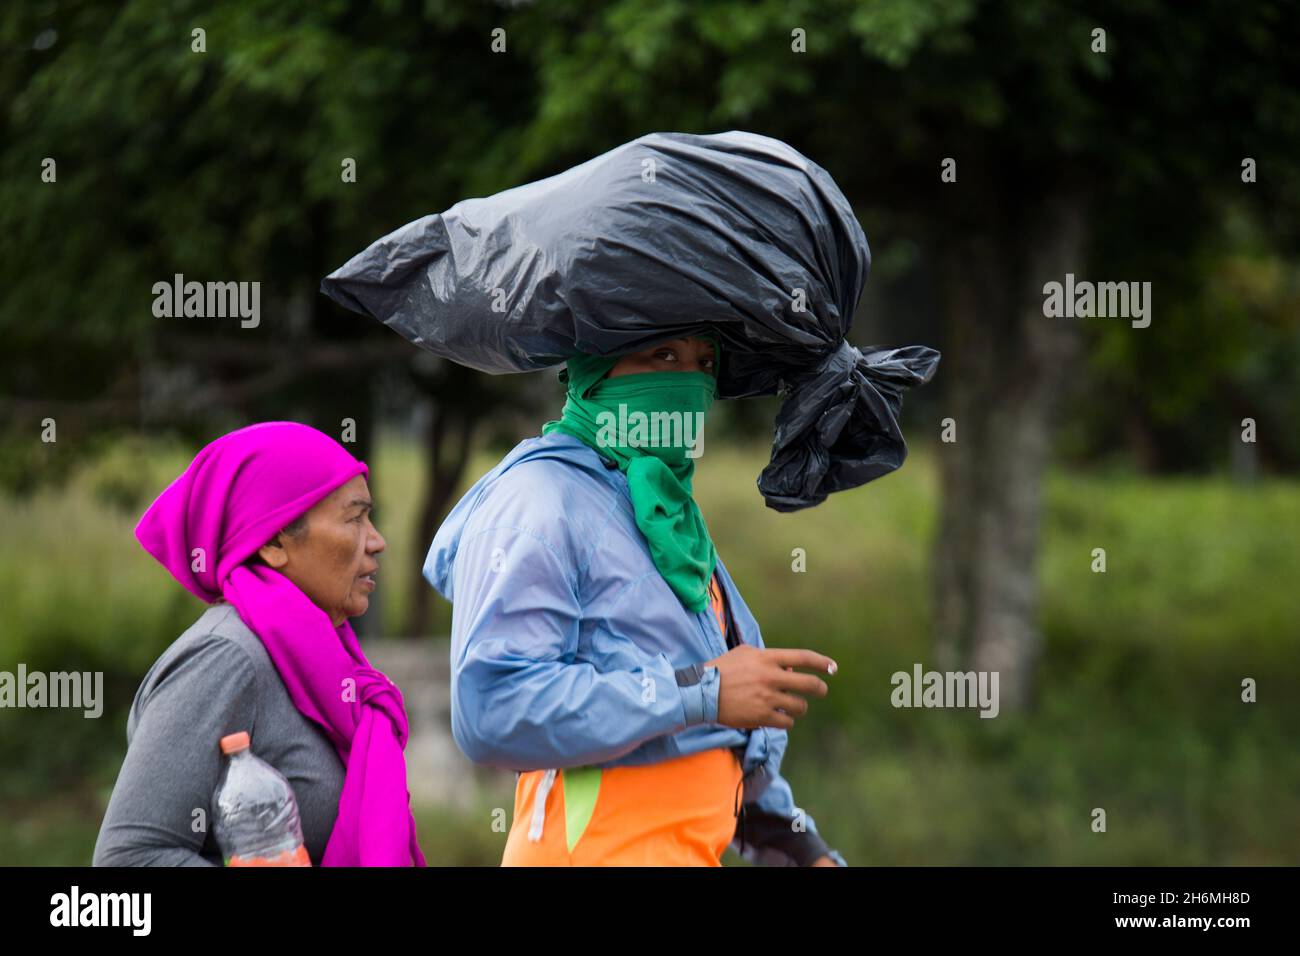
(569, 649)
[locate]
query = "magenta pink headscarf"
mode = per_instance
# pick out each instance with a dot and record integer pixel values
(233, 498)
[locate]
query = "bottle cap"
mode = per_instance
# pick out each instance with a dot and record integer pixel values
(233, 743)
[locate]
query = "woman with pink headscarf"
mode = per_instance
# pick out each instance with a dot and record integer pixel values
(271, 526)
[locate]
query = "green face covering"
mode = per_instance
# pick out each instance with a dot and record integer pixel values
(650, 425)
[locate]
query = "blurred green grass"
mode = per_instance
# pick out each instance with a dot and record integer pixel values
(1138, 699)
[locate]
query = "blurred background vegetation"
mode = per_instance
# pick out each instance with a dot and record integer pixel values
(1123, 688)
(1138, 699)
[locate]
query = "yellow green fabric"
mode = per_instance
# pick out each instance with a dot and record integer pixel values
(581, 787)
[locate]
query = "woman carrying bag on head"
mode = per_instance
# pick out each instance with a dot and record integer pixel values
(601, 649)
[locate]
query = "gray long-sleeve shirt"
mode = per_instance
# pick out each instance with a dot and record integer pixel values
(215, 679)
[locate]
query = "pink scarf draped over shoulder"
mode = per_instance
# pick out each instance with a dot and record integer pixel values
(236, 494)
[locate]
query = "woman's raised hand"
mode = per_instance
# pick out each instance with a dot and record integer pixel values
(759, 687)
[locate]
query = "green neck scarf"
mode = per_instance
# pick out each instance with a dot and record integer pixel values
(647, 423)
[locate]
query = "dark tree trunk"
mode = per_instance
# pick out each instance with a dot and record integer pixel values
(1007, 365)
(1141, 440)
(447, 449)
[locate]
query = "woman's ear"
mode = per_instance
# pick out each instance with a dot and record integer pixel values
(273, 553)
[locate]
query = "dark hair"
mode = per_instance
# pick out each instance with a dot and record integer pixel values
(294, 529)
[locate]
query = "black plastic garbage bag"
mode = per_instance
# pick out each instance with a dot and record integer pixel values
(667, 236)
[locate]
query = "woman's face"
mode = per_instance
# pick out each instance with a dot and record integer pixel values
(675, 355)
(333, 560)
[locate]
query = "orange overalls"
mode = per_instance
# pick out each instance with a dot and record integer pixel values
(678, 812)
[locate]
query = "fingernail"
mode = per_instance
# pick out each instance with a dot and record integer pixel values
(832, 668)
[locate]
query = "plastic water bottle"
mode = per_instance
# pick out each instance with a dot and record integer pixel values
(255, 814)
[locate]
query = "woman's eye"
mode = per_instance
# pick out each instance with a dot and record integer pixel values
(666, 354)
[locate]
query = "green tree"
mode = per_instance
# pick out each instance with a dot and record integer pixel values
(227, 164)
